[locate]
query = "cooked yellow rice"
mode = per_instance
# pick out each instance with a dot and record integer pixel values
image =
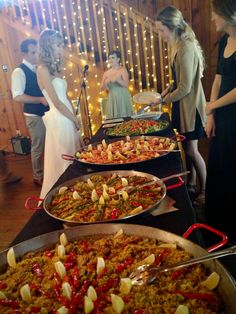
(122, 255)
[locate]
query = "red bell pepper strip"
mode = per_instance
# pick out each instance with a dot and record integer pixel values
(122, 266)
(115, 213)
(57, 280)
(10, 303)
(135, 204)
(101, 302)
(139, 311)
(75, 277)
(38, 289)
(85, 246)
(35, 309)
(48, 254)
(37, 270)
(160, 257)
(199, 296)
(3, 285)
(77, 300)
(112, 282)
(56, 202)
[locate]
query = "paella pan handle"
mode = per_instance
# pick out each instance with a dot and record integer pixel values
(178, 176)
(178, 138)
(68, 157)
(32, 198)
(217, 232)
(176, 185)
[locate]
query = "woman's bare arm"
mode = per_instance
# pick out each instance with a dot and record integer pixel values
(210, 124)
(123, 79)
(104, 82)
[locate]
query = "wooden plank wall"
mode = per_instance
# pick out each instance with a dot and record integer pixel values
(11, 116)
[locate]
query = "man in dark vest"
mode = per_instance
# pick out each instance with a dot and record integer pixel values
(25, 90)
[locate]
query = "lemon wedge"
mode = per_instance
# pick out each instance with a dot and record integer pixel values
(88, 305)
(90, 184)
(94, 195)
(67, 291)
(61, 250)
(63, 239)
(76, 195)
(62, 310)
(100, 265)
(124, 182)
(2, 295)
(125, 285)
(212, 281)
(118, 233)
(117, 303)
(25, 293)
(60, 269)
(91, 293)
(62, 189)
(11, 259)
(182, 309)
(149, 260)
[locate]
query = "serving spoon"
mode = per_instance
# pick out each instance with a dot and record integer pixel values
(146, 274)
(128, 187)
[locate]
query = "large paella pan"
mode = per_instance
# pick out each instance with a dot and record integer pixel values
(127, 151)
(136, 127)
(86, 270)
(105, 196)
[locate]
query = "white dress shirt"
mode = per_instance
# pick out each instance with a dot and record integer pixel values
(18, 81)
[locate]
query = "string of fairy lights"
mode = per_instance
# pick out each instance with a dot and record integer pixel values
(86, 26)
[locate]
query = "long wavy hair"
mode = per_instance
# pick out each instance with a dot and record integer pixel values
(47, 38)
(226, 9)
(173, 19)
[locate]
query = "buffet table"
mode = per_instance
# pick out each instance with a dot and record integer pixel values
(176, 222)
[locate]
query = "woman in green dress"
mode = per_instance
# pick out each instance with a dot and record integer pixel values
(116, 82)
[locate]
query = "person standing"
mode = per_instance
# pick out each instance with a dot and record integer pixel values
(221, 122)
(186, 93)
(116, 82)
(62, 125)
(25, 90)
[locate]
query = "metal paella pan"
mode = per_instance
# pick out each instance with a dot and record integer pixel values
(136, 127)
(105, 196)
(48, 243)
(125, 152)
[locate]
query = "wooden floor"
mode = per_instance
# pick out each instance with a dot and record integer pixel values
(12, 197)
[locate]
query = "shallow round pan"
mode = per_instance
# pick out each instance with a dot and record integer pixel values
(226, 288)
(48, 199)
(111, 132)
(126, 163)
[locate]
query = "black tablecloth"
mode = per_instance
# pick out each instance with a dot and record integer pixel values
(176, 222)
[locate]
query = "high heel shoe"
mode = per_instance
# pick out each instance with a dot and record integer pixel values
(192, 188)
(200, 199)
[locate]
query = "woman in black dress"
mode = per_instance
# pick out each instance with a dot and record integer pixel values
(221, 125)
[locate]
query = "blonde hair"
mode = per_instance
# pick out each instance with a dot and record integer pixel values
(173, 19)
(47, 38)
